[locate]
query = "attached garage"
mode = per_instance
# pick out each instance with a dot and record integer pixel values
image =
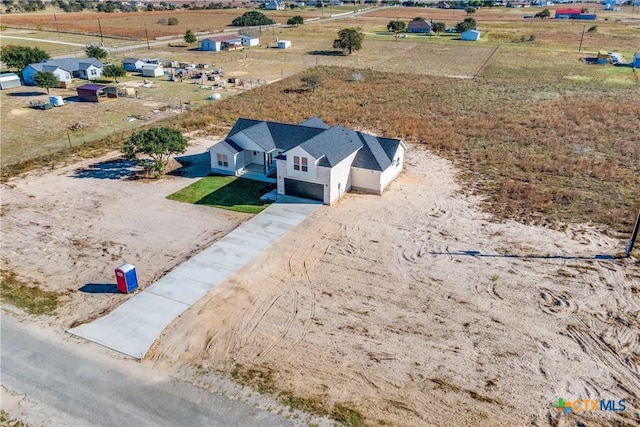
(306, 190)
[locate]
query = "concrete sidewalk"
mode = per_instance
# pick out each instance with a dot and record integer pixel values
(134, 326)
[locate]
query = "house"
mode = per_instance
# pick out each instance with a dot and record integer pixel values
(132, 64)
(29, 73)
(215, 44)
(274, 5)
(249, 41)
(152, 70)
(94, 93)
(470, 35)
(636, 60)
(65, 69)
(9, 81)
(574, 14)
(284, 44)
(419, 26)
(311, 159)
(443, 5)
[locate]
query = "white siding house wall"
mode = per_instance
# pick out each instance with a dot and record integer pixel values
(366, 180)
(310, 175)
(281, 167)
(394, 170)
(340, 179)
(235, 161)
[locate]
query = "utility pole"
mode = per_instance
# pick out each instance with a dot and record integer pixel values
(101, 38)
(146, 32)
(55, 18)
(581, 38)
(634, 236)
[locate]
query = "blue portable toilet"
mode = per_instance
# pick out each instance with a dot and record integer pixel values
(126, 278)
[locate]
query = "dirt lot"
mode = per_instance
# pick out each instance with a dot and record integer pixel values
(373, 303)
(364, 303)
(70, 227)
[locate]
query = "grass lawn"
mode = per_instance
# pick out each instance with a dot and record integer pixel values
(226, 192)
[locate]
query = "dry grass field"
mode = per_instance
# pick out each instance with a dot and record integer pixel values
(366, 312)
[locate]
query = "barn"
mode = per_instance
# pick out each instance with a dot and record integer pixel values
(95, 93)
(9, 81)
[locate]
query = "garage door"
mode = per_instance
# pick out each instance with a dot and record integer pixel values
(307, 190)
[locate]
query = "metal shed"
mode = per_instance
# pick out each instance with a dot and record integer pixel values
(94, 93)
(9, 81)
(152, 70)
(470, 35)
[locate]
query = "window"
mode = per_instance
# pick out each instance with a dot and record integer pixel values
(300, 164)
(223, 160)
(93, 72)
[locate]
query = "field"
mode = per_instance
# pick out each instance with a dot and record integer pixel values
(517, 152)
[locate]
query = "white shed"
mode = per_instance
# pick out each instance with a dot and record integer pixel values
(470, 35)
(284, 44)
(152, 70)
(9, 81)
(249, 41)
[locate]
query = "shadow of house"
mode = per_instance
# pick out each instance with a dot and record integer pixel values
(193, 166)
(115, 169)
(238, 192)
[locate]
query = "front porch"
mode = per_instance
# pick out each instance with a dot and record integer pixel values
(256, 172)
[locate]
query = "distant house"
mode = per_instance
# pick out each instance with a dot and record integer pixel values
(9, 81)
(65, 69)
(470, 35)
(518, 4)
(29, 73)
(215, 44)
(152, 70)
(284, 44)
(132, 64)
(310, 160)
(249, 41)
(274, 5)
(419, 26)
(94, 93)
(443, 5)
(574, 14)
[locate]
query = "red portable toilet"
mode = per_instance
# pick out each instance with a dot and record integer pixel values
(126, 278)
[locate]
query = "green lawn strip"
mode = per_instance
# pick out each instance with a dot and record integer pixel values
(226, 192)
(31, 299)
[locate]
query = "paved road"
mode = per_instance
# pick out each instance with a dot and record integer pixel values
(70, 383)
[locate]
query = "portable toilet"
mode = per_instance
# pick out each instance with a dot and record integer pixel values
(126, 278)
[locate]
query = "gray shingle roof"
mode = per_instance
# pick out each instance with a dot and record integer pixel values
(315, 122)
(71, 64)
(329, 145)
(334, 144)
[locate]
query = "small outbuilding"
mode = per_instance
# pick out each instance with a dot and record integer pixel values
(132, 64)
(284, 44)
(95, 93)
(9, 81)
(249, 41)
(470, 36)
(152, 70)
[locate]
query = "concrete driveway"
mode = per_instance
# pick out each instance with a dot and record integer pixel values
(134, 326)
